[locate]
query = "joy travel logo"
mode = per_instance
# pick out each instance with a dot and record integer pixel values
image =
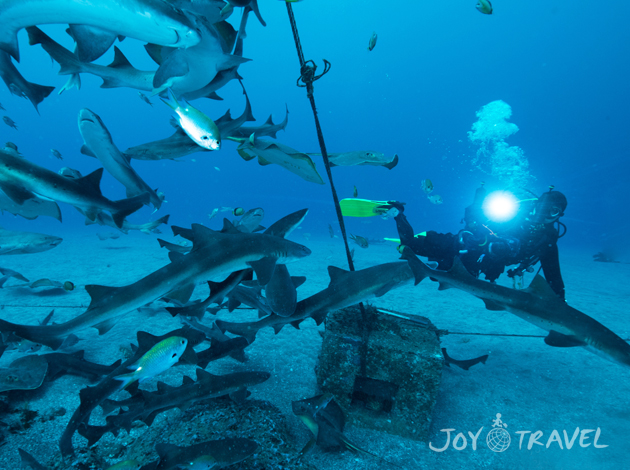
(498, 439)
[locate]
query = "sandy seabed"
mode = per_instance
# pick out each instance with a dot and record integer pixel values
(535, 387)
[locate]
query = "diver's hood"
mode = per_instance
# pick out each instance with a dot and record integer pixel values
(550, 207)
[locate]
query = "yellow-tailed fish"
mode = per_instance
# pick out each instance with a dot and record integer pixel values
(361, 241)
(156, 360)
(126, 465)
(372, 43)
(484, 6)
(199, 127)
(203, 462)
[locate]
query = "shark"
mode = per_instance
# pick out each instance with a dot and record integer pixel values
(269, 152)
(91, 397)
(151, 21)
(21, 180)
(345, 288)
(195, 67)
(18, 85)
(537, 304)
(361, 157)
(103, 218)
(19, 243)
(146, 406)
(213, 254)
(217, 292)
(281, 291)
(268, 128)
(99, 144)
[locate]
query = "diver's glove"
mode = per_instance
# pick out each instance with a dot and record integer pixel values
(397, 205)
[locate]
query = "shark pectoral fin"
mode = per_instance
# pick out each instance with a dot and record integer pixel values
(85, 150)
(444, 286)
(264, 269)
(92, 42)
(182, 294)
(232, 304)
(16, 193)
(98, 293)
(174, 256)
(105, 326)
(239, 396)
(491, 305)
(298, 280)
(175, 65)
(558, 340)
(385, 289)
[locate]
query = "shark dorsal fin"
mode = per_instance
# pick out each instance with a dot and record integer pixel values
(203, 376)
(92, 181)
(174, 256)
(269, 120)
(202, 236)
(540, 288)
(164, 387)
(287, 224)
(337, 274)
(145, 340)
(458, 268)
(120, 61)
(228, 227)
(98, 293)
(187, 380)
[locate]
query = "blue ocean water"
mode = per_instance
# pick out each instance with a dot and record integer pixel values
(561, 66)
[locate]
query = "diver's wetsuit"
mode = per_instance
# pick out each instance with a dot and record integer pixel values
(532, 244)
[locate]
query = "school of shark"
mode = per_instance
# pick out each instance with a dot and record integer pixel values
(196, 52)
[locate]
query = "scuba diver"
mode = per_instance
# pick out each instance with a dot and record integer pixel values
(500, 231)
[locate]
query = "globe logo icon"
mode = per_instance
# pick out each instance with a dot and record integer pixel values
(498, 440)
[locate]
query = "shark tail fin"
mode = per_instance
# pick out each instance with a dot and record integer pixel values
(37, 93)
(393, 163)
(124, 207)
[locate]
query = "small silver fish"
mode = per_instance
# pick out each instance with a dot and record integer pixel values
(361, 241)
(156, 360)
(426, 185)
(214, 212)
(331, 231)
(199, 127)
(56, 153)
(372, 43)
(436, 199)
(484, 6)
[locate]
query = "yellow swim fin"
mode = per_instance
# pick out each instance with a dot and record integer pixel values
(355, 207)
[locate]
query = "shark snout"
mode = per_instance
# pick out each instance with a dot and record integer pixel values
(55, 241)
(303, 252)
